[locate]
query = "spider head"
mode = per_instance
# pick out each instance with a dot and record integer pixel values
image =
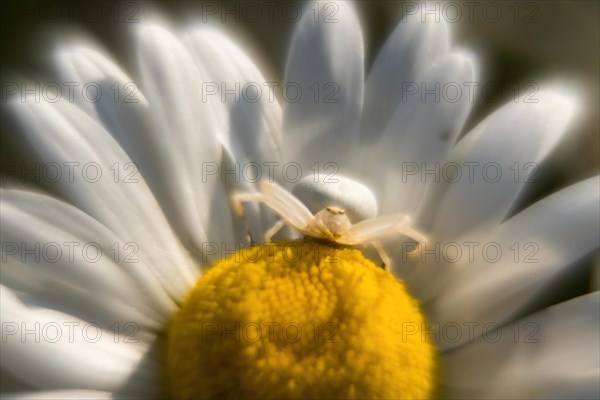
(332, 222)
(335, 210)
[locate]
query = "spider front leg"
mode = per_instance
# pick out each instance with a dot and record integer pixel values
(288, 208)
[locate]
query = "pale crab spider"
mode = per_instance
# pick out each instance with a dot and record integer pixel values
(335, 204)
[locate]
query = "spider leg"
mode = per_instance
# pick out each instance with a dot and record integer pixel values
(274, 196)
(274, 229)
(387, 261)
(274, 190)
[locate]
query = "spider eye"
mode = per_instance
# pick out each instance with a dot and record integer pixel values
(320, 192)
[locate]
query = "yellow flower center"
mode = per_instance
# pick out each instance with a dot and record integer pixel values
(299, 320)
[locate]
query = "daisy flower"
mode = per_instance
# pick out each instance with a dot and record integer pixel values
(138, 279)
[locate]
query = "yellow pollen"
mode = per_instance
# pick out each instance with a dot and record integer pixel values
(299, 320)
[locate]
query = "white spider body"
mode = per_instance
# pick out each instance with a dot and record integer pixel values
(330, 221)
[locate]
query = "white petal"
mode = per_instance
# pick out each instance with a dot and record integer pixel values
(525, 256)
(126, 114)
(57, 292)
(518, 134)
(255, 122)
(253, 135)
(416, 43)
(52, 350)
(60, 255)
(326, 64)
(554, 354)
(419, 134)
(121, 107)
(99, 178)
(101, 88)
(185, 134)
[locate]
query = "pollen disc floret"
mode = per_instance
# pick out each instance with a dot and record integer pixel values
(299, 319)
